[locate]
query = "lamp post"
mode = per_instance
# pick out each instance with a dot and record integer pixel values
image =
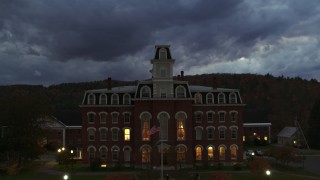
(65, 177)
(268, 173)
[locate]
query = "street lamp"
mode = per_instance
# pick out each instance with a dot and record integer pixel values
(65, 177)
(63, 148)
(59, 150)
(268, 173)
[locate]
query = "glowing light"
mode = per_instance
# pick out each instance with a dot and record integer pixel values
(59, 150)
(103, 165)
(65, 177)
(63, 148)
(268, 172)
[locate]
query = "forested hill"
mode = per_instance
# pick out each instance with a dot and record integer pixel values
(281, 98)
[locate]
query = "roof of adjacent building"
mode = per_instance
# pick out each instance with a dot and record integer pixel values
(287, 132)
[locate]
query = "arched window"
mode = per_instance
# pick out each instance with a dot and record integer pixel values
(198, 98)
(115, 117)
(145, 92)
(127, 153)
(103, 118)
(126, 99)
(145, 125)
(181, 118)
(126, 117)
(233, 116)
(210, 133)
(91, 117)
(103, 99)
(181, 153)
(145, 154)
(127, 133)
(91, 99)
(198, 116)
(222, 132)
(92, 152)
(198, 132)
(162, 53)
(234, 132)
(222, 115)
(222, 152)
(180, 92)
(103, 133)
(198, 153)
(210, 98)
(163, 119)
(103, 153)
(210, 116)
(210, 152)
(221, 98)
(114, 99)
(233, 151)
(115, 153)
(233, 98)
(91, 134)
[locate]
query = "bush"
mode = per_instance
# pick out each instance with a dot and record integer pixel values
(237, 167)
(95, 164)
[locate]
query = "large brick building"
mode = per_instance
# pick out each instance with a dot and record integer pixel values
(198, 124)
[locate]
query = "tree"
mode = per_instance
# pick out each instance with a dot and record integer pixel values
(314, 125)
(21, 117)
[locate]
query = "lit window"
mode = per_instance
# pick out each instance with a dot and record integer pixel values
(145, 123)
(210, 153)
(222, 153)
(198, 153)
(243, 138)
(198, 98)
(233, 150)
(265, 138)
(127, 134)
(145, 155)
(181, 153)
(181, 131)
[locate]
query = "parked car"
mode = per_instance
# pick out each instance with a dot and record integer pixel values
(258, 153)
(250, 153)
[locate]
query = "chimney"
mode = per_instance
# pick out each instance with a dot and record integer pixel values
(109, 86)
(182, 75)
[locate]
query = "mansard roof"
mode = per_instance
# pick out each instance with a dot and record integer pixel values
(120, 89)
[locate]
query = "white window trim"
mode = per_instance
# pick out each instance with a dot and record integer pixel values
(233, 93)
(184, 91)
(224, 98)
(126, 95)
(94, 99)
(208, 98)
(149, 91)
(100, 97)
(112, 98)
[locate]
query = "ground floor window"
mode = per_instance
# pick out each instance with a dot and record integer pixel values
(233, 150)
(145, 155)
(181, 153)
(222, 153)
(210, 153)
(198, 153)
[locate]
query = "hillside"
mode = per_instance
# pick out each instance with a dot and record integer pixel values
(283, 99)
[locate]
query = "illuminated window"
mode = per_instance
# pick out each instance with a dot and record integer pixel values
(209, 98)
(198, 153)
(127, 134)
(222, 152)
(233, 150)
(145, 155)
(91, 99)
(103, 99)
(265, 138)
(181, 153)
(243, 138)
(210, 153)
(145, 123)
(221, 98)
(181, 131)
(198, 98)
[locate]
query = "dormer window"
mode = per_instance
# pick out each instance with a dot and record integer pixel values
(233, 98)
(145, 92)
(180, 92)
(221, 98)
(91, 99)
(115, 99)
(162, 54)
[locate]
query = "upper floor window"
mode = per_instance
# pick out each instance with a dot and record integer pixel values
(103, 134)
(209, 98)
(103, 99)
(145, 92)
(126, 153)
(163, 119)
(222, 116)
(91, 118)
(198, 116)
(126, 134)
(221, 98)
(103, 118)
(198, 132)
(126, 117)
(115, 132)
(233, 116)
(210, 116)
(115, 99)
(126, 99)
(115, 117)
(233, 98)
(181, 153)
(91, 134)
(181, 127)
(91, 99)
(234, 132)
(222, 132)
(198, 98)
(145, 126)
(210, 133)
(180, 92)
(162, 53)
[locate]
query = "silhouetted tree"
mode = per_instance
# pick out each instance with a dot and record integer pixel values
(314, 125)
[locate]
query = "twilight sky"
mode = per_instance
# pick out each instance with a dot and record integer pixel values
(51, 42)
